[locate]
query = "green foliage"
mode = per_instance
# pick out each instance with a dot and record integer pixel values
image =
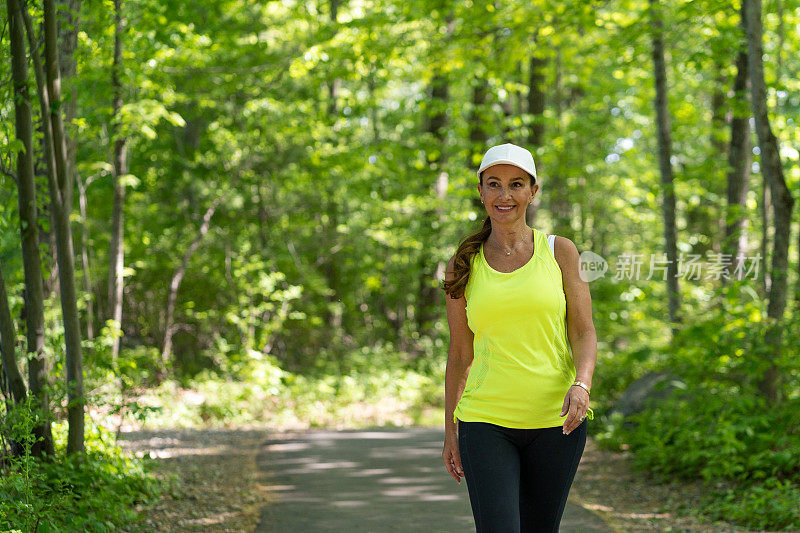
(713, 431)
(266, 394)
(717, 426)
(96, 491)
(771, 505)
(137, 366)
(19, 504)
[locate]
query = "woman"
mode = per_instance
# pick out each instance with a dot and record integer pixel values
(518, 311)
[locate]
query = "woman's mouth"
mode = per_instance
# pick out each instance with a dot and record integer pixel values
(504, 207)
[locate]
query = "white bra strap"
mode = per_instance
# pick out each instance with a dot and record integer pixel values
(551, 241)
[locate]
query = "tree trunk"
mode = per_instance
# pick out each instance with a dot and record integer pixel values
(116, 259)
(175, 283)
(333, 309)
(11, 382)
(664, 160)
(719, 119)
(510, 104)
(797, 283)
(477, 134)
(34, 297)
(8, 351)
(779, 7)
(333, 83)
(67, 41)
(59, 194)
(68, 12)
(782, 201)
(428, 292)
(718, 108)
(263, 215)
(739, 152)
(536, 101)
(766, 207)
(779, 13)
(87, 283)
(558, 186)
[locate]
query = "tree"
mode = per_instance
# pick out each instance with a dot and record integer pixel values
(782, 200)
(665, 158)
(60, 194)
(68, 24)
(11, 374)
(536, 105)
(116, 256)
(9, 371)
(34, 299)
(175, 283)
(428, 293)
(738, 158)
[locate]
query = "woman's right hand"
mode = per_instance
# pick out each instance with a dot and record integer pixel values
(451, 457)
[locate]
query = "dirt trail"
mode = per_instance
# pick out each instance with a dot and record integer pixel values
(243, 480)
(372, 480)
(217, 485)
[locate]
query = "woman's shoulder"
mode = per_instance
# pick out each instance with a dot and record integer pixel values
(566, 253)
(564, 245)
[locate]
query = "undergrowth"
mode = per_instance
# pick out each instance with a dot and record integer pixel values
(92, 492)
(717, 425)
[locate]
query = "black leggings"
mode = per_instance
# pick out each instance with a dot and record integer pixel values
(518, 479)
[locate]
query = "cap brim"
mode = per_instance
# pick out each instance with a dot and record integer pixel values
(507, 162)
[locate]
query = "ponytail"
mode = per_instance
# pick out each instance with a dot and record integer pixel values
(461, 261)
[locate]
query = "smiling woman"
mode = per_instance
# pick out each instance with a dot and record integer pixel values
(507, 191)
(519, 310)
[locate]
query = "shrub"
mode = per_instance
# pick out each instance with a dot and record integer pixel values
(95, 491)
(718, 427)
(768, 506)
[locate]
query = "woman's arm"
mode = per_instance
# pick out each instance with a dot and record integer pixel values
(580, 327)
(459, 355)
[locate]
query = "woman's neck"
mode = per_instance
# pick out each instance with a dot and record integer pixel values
(508, 237)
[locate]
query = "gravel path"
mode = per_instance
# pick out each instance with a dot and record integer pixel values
(371, 480)
(241, 480)
(216, 483)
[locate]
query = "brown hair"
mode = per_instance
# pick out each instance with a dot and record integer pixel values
(461, 261)
(468, 248)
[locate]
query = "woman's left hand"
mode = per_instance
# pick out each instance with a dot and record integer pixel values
(576, 404)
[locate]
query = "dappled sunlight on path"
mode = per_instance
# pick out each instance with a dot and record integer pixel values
(217, 483)
(375, 480)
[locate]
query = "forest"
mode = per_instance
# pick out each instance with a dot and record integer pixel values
(230, 213)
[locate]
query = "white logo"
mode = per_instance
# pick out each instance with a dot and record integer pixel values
(592, 266)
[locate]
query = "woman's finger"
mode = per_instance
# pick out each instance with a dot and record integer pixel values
(570, 422)
(565, 406)
(457, 465)
(453, 467)
(448, 463)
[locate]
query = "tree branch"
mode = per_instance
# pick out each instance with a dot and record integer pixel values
(10, 173)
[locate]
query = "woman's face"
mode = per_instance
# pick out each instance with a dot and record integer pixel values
(506, 192)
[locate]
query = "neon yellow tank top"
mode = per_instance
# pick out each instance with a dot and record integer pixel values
(523, 362)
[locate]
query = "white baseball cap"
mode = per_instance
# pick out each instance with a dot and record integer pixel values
(508, 154)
